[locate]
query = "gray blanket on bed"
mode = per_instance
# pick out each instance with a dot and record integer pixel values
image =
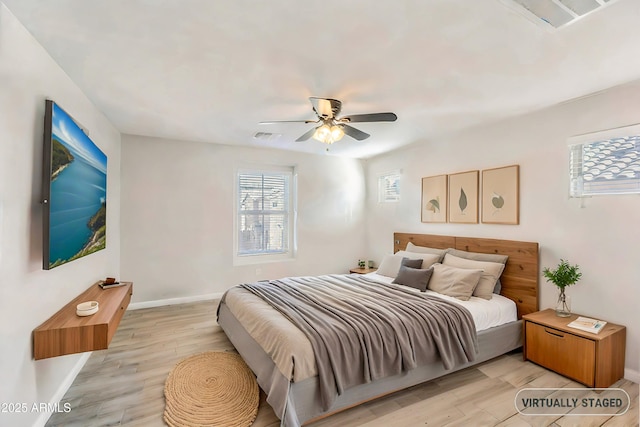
(362, 330)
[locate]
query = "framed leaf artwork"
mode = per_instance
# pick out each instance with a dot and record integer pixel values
(434, 199)
(463, 197)
(501, 195)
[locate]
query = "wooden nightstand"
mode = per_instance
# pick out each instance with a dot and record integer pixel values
(595, 360)
(363, 270)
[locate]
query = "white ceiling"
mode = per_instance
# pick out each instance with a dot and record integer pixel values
(209, 71)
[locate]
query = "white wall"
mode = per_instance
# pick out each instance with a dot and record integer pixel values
(176, 232)
(29, 295)
(177, 216)
(601, 234)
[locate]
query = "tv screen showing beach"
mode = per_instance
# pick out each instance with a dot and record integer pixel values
(75, 221)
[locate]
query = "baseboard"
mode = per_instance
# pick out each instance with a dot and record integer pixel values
(62, 390)
(172, 301)
(631, 375)
(73, 373)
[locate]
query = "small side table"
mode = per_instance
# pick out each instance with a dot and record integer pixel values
(363, 270)
(595, 360)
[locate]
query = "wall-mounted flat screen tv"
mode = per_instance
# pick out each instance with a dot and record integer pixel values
(74, 184)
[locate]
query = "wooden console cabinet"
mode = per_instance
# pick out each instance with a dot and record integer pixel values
(65, 332)
(595, 360)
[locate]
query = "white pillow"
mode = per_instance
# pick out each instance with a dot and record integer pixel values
(427, 259)
(491, 272)
(425, 250)
(390, 265)
(455, 282)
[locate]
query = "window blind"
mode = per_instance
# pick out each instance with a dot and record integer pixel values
(263, 212)
(610, 166)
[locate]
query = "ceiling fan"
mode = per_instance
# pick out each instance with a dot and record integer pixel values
(331, 127)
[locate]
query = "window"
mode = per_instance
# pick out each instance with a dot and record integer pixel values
(264, 223)
(389, 187)
(606, 163)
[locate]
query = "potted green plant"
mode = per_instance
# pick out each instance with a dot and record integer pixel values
(562, 276)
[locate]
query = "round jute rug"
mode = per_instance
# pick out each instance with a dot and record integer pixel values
(211, 389)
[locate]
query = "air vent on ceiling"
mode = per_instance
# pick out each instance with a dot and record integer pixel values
(267, 135)
(555, 14)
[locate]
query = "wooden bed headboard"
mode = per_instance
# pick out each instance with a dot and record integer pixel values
(520, 276)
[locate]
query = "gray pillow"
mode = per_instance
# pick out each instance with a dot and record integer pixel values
(411, 263)
(455, 282)
(427, 259)
(477, 256)
(498, 287)
(414, 277)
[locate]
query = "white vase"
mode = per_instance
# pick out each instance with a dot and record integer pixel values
(563, 306)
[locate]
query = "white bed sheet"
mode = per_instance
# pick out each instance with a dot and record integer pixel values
(486, 313)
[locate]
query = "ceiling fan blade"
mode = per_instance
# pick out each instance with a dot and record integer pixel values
(288, 121)
(355, 133)
(306, 135)
(373, 117)
(327, 108)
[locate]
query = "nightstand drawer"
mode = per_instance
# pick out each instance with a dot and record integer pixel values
(562, 352)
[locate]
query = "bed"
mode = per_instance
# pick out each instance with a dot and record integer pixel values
(282, 355)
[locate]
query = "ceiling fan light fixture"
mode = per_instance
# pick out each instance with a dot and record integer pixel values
(332, 127)
(328, 135)
(337, 133)
(322, 133)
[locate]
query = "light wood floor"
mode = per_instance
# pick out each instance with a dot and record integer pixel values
(124, 384)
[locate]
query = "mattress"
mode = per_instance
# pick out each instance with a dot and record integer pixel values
(291, 350)
(298, 402)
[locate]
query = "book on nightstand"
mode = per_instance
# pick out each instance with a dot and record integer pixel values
(104, 285)
(588, 325)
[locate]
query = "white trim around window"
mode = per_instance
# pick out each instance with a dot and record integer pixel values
(605, 163)
(389, 187)
(264, 214)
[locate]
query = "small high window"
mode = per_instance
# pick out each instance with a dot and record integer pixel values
(605, 163)
(389, 187)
